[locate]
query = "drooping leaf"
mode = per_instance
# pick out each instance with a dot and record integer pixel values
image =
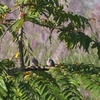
(3, 88)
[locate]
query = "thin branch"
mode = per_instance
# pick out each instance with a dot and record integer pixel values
(20, 43)
(31, 68)
(14, 10)
(6, 31)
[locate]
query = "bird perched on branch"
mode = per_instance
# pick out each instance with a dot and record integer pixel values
(35, 62)
(50, 63)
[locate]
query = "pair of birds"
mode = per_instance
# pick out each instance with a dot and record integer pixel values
(49, 62)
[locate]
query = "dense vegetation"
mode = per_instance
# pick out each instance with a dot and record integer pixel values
(62, 82)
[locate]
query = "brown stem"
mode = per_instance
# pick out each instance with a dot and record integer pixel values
(20, 43)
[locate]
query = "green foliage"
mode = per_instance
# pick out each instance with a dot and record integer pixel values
(76, 39)
(3, 89)
(86, 75)
(6, 64)
(3, 12)
(1, 30)
(70, 26)
(40, 85)
(61, 82)
(67, 88)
